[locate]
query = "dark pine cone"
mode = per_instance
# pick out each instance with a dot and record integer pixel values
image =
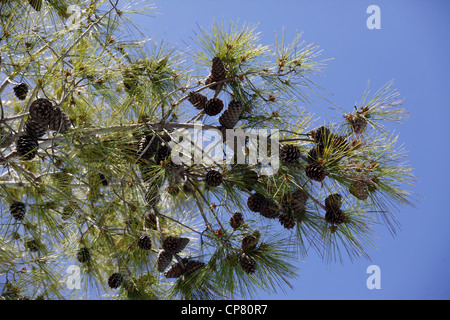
(35, 129)
(145, 242)
(213, 106)
(115, 280)
(247, 263)
(174, 244)
(26, 147)
(197, 99)
(163, 260)
(59, 122)
(21, 91)
(162, 153)
(32, 245)
(249, 179)
(298, 200)
(289, 154)
(231, 115)
(333, 201)
(18, 210)
(250, 242)
(315, 154)
(83, 255)
(256, 202)
(334, 216)
(236, 220)
(358, 123)
(152, 148)
(175, 271)
(287, 220)
(270, 211)
(359, 189)
(191, 266)
(150, 221)
(321, 135)
(41, 110)
(213, 178)
(315, 171)
(218, 71)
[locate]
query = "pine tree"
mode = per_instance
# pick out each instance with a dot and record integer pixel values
(90, 177)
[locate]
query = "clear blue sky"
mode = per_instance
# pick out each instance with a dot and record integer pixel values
(412, 47)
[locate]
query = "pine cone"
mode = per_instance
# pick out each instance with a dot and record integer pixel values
(270, 211)
(163, 260)
(191, 266)
(145, 242)
(197, 99)
(175, 271)
(174, 244)
(289, 154)
(26, 147)
(152, 148)
(103, 179)
(247, 263)
(218, 71)
(213, 106)
(249, 179)
(32, 245)
(333, 201)
(210, 80)
(358, 123)
(21, 91)
(236, 220)
(18, 210)
(250, 242)
(162, 153)
(321, 135)
(35, 129)
(67, 212)
(213, 178)
(315, 171)
(334, 215)
(359, 189)
(315, 154)
(59, 121)
(256, 202)
(41, 110)
(83, 255)
(231, 115)
(298, 200)
(287, 220)
(150, 220)
(115, 280)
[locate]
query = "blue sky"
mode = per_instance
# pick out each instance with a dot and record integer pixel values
(412, 47)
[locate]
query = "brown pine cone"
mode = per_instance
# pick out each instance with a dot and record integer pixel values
(256, 202)
(315, 171)
(41, 110)
(213, 106)
(213, 178)
(236, 220)
(197, 99)
(174, 244)
(231, 115)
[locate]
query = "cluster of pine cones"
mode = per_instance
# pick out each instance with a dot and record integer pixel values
(43, 116)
